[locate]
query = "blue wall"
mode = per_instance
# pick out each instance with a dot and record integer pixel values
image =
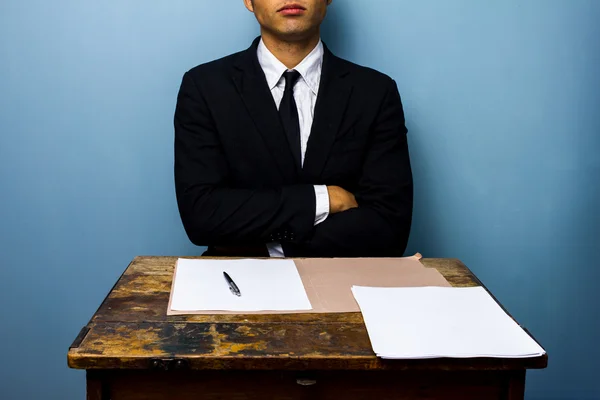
(503, 107)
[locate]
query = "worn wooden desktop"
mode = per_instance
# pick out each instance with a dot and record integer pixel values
(132, 350)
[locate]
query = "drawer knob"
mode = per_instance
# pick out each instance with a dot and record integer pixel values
(306, 382)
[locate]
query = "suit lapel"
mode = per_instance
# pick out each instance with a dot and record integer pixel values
(334, 93)
(252, 86)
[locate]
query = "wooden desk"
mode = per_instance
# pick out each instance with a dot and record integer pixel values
(132, 350)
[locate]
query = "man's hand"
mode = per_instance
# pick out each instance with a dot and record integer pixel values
(340, 200)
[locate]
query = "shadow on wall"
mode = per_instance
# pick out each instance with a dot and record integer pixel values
(336, 32)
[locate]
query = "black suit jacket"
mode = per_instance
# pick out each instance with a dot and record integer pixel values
(235, 176)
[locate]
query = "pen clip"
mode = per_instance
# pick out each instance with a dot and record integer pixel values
(234, 290)
(232, 286)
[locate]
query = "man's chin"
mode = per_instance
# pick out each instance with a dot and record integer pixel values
(294, 35)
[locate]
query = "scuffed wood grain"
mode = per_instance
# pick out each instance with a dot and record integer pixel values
(142, 294)
(131, 330)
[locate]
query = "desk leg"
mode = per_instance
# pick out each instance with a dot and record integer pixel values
(96, 386)
(516, 386)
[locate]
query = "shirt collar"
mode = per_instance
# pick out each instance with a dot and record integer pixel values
(309, 68)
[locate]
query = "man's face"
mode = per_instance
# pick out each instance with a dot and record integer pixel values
(289, 19)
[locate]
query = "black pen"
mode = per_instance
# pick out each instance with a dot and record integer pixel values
(232, 286)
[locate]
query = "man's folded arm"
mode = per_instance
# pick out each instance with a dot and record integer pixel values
(381, 224)
(212, 212)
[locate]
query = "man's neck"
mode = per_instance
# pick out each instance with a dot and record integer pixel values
(290, 53)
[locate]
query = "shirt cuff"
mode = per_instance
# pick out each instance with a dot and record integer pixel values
(322, 205)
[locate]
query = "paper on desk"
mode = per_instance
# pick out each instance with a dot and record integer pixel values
(265, 285)
(433, 322)
(328, 282)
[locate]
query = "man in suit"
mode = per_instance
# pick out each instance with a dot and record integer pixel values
(287, 150)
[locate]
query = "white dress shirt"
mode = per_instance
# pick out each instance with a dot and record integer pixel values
(305, 95)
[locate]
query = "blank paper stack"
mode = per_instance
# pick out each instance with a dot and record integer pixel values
(432, 322)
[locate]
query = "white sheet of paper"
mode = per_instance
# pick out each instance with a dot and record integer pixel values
(431, 322)
(265, 285)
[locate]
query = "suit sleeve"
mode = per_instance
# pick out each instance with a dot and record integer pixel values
(381, 224)
(211, 210)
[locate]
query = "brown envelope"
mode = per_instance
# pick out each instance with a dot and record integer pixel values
(328, 281)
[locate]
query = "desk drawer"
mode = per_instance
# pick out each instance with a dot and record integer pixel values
(290, 385)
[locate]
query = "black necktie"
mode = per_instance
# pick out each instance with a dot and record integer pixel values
(288, 111)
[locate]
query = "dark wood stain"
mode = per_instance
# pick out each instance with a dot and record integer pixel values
(290, 385)
(131, 332)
